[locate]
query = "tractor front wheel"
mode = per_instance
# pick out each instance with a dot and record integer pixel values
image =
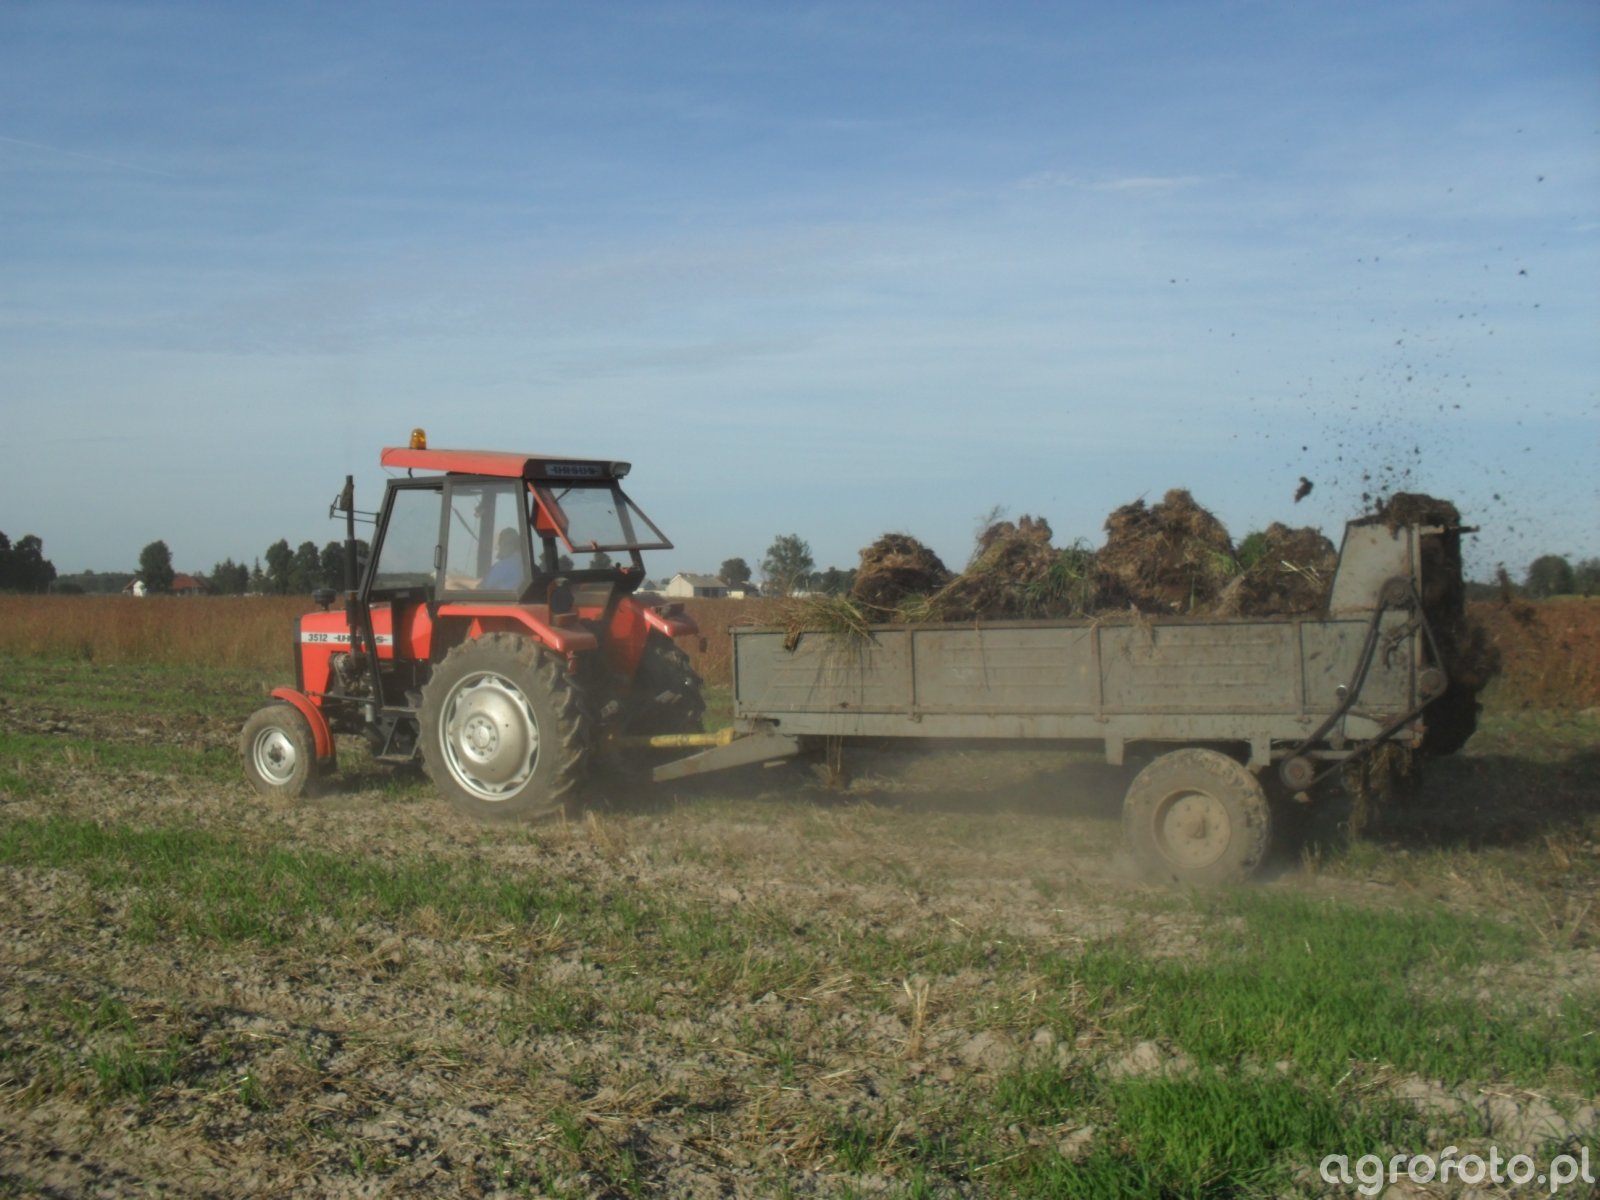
(279, 752)
(503, 735)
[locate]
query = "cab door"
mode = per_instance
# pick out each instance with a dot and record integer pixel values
(485, 540)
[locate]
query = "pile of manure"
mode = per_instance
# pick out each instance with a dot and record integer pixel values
(1291, 578)
(1172, 557)
(1015, 572)
(896, 569)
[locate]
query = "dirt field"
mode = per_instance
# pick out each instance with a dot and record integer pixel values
(941, 982)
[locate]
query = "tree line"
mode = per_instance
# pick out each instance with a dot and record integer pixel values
(1554, 575)
(287, 572)
(280, 571)
(786, 568)
(23, 567)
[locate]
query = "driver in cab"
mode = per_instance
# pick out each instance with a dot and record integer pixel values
(506, 574)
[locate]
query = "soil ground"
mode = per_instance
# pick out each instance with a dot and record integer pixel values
(749, 987)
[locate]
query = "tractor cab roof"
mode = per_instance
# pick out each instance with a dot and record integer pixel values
(505, 464)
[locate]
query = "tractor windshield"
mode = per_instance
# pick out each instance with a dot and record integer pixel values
(594, 516)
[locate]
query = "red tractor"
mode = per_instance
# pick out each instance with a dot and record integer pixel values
(474, 639)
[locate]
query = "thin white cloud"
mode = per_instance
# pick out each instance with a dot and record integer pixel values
(1148, 183)
(99, 160)
(1046, 180)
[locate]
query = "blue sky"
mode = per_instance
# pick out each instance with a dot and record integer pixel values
(830, 269)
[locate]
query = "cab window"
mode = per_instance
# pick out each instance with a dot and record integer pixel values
(486, 543)
(406, 557)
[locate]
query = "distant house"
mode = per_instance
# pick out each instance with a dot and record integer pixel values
(699, 587)
(182, 585)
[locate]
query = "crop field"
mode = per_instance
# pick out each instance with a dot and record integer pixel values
(943, 980)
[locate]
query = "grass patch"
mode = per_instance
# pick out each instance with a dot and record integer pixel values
(21, 751)
(539, 1006)
(15, 778)
(1200, 1135)
(193, 883)
(1330, 988)
(1276, 1030)
(719, 706)
(133, 689)
(1533, 735)
(100, 1040)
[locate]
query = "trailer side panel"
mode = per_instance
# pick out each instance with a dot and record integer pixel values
(1263, 683)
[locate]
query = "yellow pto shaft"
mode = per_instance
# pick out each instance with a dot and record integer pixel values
(680, 741)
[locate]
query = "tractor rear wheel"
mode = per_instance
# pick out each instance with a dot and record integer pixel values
(503, 734)
(279, 752)
(1197, 818)
(668, 695)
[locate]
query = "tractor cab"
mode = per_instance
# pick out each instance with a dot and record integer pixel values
(553, 535)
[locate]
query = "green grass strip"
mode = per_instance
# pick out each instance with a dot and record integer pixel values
(133, 689)
(1199, 1135)
(18, 750)
(194, 883)
(1326, 987)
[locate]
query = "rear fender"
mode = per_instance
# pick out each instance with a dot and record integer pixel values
(632, 623)
(321, 735)
(512, 618)
(675, 623)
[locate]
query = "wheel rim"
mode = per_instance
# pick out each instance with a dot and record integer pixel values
(490, 736)
(1192, 829)
(275, 756)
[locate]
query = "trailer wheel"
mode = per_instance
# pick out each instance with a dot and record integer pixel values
(1196, 817)
(279, 752)
(503, 736)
